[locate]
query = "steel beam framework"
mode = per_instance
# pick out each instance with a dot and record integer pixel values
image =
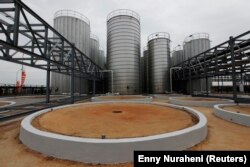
(231, 58)
(25, 38)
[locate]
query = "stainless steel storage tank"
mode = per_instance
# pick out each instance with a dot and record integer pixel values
(123, 50)
(76, 28)
(146, 70)
(94, 48)
(159, 61)
(194, 45)
(177, 56)
(142, 76)
(102, 59)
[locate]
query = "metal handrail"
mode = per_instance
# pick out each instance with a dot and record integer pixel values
(157, 35)
(71, 13)
(177, 48)
(202, 35)
(95, 37)
(121, 12)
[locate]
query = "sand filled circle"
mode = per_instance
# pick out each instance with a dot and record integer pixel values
(6, 103)
(243, 109)
(198, 101)
(110, 132)
(201, 99)
(3, 103)
(122, 98)
(114, 120)
(237, 113)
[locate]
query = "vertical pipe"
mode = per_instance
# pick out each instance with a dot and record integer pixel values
(232, 43)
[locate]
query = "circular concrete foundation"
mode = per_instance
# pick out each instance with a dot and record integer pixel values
(6, 103)
(109, 143)
(237, 113)
(114, 120)
(198, 101)
(134, 98)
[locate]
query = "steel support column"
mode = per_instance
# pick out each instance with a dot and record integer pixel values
(8, 40)
(232, 44)
(47, 54)
(72, 78)
(16, 24)
(94, 87)
(48, 83)
(190, 79)
(205, 64)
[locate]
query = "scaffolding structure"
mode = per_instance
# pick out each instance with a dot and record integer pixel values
(230, 58)
(25, 38)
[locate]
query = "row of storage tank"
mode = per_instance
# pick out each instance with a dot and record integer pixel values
(156, 62)
(76, 28)
(132, 74)
(192, 45)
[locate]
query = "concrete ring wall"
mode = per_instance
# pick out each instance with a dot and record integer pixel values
(238, 118)
(108, 151)
(176, 101)
(143, 99)
(7, 105)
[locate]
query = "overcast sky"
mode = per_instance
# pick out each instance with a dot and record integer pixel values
(180, 18)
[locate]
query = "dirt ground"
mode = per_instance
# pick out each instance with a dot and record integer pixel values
(222, 135)
(114, 120)
(121, 97)
(244, 109)
(41, 96)
(14, 154)
(3, 103)
(161, 100)
(200, 99)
